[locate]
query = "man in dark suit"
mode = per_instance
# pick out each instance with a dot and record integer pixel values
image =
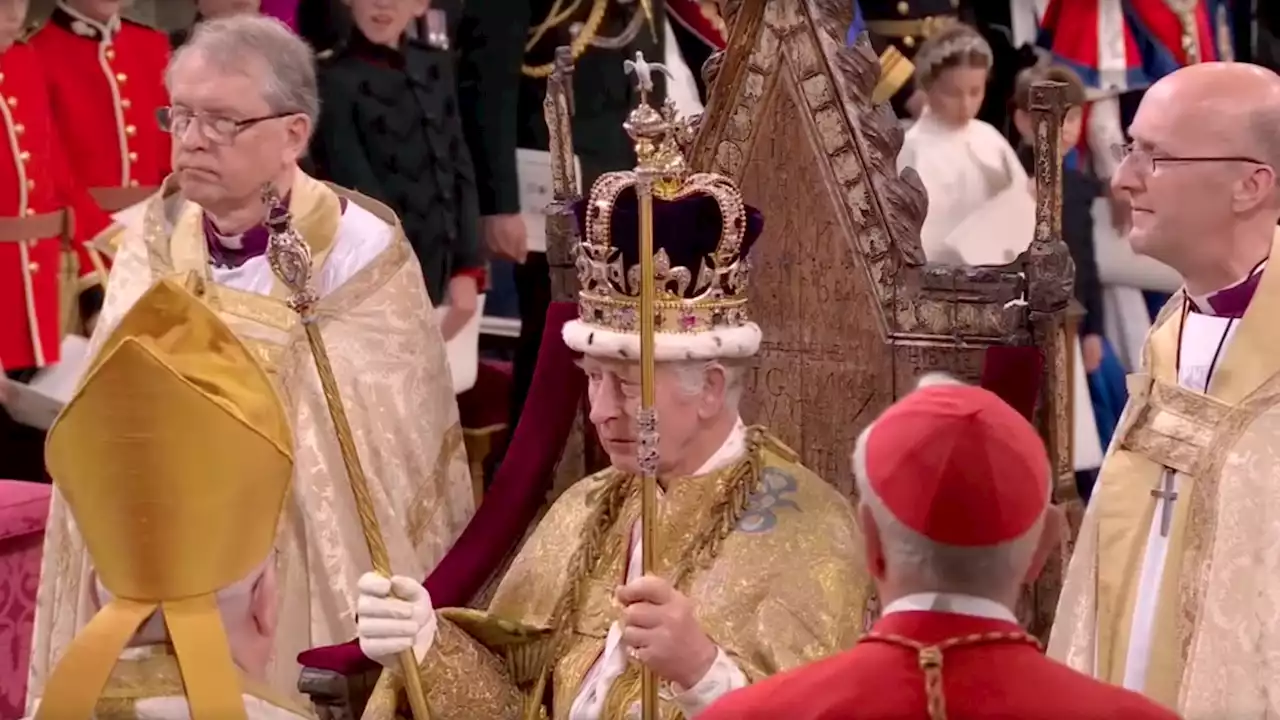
(501, 89)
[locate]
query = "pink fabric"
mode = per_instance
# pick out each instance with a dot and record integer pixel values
(24, 509)
(286, 11)
(519, 488)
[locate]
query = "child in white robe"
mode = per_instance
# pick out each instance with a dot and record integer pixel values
(980, 212)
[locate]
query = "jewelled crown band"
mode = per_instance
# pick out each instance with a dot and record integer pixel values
(702, 233)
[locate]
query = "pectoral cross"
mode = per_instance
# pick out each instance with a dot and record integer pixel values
(1168, 494)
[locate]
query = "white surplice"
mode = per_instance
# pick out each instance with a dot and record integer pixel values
(1202, 335)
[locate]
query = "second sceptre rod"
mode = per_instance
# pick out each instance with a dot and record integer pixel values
(290, 260)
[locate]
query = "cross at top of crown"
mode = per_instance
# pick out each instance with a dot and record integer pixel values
(657, 133)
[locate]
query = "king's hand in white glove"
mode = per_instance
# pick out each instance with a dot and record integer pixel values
(394, 615)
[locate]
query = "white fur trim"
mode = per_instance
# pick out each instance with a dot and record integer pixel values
(736, 342)
(938, 379)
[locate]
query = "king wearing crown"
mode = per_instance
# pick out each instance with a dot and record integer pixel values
(754, 566)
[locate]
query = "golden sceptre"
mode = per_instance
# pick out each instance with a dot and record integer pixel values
(290, 259)
(652, 133)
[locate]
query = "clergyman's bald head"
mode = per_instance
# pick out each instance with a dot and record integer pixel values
(1238, 100)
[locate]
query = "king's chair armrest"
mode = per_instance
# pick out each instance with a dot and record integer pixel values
(336, 696)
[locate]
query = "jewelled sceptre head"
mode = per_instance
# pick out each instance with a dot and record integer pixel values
(290, 258)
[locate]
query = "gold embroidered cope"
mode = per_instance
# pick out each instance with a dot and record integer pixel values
(389, 360)
(784, 585)
(1215, 625)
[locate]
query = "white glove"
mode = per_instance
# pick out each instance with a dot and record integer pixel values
(394, 615)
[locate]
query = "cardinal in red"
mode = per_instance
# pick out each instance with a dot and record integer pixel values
(954, 487)
(106, 81)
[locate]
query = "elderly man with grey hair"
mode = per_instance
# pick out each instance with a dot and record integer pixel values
(955, 489)
(756, 565)
(244, 104)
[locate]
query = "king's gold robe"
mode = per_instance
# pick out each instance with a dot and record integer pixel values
(769, 553)
(1214, 627)
(146, 684)
(389, 361)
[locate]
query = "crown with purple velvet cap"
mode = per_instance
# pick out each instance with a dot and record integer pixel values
(702, 232)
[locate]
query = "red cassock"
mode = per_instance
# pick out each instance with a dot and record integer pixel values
(39, 202)
(106, 83)
(990, 680)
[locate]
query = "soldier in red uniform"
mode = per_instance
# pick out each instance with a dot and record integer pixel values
(39, 204)
(106, 82)
(954, 487)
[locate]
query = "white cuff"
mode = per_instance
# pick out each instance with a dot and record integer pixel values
(723, 677)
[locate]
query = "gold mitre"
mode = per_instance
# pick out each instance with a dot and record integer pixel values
(702, 232)
(174, 458)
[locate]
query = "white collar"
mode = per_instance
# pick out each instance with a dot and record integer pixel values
(956, 603)
(107, 31)
(730, 450)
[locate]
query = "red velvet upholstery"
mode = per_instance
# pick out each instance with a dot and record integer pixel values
(1014, 373)
(518, 489)
(487, 404)
(24, 508)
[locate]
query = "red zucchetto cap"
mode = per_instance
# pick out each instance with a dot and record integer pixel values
(957, 465)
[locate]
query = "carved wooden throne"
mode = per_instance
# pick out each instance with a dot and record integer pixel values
(851, 312)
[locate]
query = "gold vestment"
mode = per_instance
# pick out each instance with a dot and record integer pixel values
(777, 578)
(1216, 629)
(389, 361)
(151, 673)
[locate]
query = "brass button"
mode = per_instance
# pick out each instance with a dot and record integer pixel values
(12, 101)
(33, 266)
(904, 7)
(31, 212)
(24, 156)
(133, 183)
(130, 130)
(126, 103)
(909, 41)
(133, 156)
(111, 52)
(1, 77)
(19, 128)
(31, 185)
(121, 78)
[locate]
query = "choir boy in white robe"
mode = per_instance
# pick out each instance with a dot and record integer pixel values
(1174, 583)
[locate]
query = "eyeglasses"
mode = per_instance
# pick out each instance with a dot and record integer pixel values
(214, 128)
(1146, 163)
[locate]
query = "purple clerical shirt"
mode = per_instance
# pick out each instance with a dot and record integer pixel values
(1232, 301)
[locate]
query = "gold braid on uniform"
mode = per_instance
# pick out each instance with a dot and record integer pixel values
(930, 659)
(580, 42)
(736, 488)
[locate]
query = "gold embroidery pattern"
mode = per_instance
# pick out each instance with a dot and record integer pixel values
(1202, 520)
(423, 506)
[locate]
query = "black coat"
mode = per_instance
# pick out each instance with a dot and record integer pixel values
(389, 128)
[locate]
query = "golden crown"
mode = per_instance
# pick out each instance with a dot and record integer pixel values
(702, 232)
